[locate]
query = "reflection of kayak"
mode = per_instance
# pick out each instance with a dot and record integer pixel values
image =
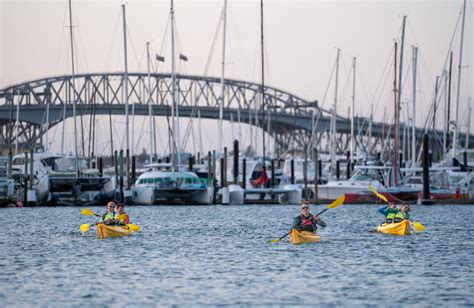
(396, 228)
(104, 231)
(300, 237)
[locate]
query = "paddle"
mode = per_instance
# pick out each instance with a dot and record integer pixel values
(85, 227)
(418, 225)
(89, 212)
(333, 205)
(377, 193)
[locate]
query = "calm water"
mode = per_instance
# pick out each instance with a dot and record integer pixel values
(221, 255)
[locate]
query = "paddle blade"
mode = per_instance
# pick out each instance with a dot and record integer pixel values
(84, 228)
(275, 241)
(337, 202)
(87, 212)
(121, 216)
(377, 193)
(133, 227)
(418, 226)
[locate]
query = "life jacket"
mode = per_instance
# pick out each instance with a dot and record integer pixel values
(108, 216)
(124, 221)
(389, 218)
(307, 224)
(400, 216)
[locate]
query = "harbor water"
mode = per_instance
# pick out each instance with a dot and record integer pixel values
(222, 255)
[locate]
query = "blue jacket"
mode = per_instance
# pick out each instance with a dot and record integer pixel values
(386, 210)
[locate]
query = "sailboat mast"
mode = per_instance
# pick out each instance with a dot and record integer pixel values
(456, 128)
(333, 119)
(149, 100)
(221, 99)
(352, 109)
(413, 127)
(399, 96)
(395, 131)
(73, 88)
(125, 91)
(263, 82)
(175, 138)
(468, 129)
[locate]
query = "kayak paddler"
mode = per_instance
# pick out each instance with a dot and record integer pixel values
(389, 212)
(307, 221)
(402, 214)
(108, 218)
(122, 218)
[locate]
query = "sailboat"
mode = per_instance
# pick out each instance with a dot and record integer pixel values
(175, 186)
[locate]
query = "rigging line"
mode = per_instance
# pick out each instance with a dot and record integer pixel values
(213, 45)
(140, 136)
(130, 37)
(324, 99)
(61, 41)
(348, 79)
(245, 58)
(381, 86)
(163, 42)
(112, 42)
(84, 55)
(452, 40)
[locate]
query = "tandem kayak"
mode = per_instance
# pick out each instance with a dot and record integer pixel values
(300, 237)
(104, 231)
(395, 228)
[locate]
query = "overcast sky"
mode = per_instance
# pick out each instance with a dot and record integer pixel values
(301, 40)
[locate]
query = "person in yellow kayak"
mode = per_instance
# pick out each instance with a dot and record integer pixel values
(108, 218)
(121, 218)
(307, 221)
(389, 212)
(402, 214)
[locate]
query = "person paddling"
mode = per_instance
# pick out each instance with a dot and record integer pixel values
(389, 212)
(122, 218)
(307, 221)
(402, 214)
(108, 218)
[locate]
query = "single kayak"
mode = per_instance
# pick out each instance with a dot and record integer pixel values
(104, 231)
(395, 228)
(300, 237)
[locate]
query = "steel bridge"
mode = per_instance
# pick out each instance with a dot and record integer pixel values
(290, 119)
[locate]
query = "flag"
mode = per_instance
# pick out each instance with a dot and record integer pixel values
(262, 180)
(160, 58)
(183, 57)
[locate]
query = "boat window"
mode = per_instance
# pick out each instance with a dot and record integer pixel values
(19, 161)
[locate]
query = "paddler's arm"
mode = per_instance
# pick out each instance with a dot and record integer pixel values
(319, 221)
(296, 223)
(383, 210)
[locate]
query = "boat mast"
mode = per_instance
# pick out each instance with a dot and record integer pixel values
(149, 100)
(448, 101)
(413, 127)
(352, 109)
(468, 125)
(263, 83)
(221, 99)
(455, 134)
(174, 109)
(73, 88)
(399, 98)
(125, 85)
(395, 156)
(333, 119)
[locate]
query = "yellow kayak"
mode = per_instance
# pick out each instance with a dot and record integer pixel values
(104, 231)
(300, 237)
(395, 228)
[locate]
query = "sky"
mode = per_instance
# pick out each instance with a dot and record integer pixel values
(301, 39)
